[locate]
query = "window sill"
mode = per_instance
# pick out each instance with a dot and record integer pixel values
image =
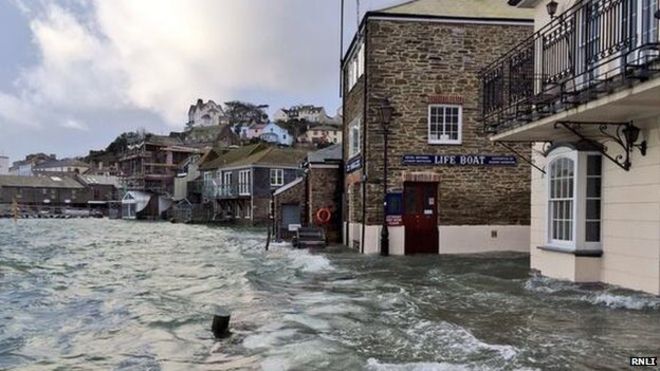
(454, 143)
(571, 251)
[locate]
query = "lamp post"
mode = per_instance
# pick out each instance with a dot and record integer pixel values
(386, 111)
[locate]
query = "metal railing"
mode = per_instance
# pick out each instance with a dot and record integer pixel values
(591, 50)
(212, 191)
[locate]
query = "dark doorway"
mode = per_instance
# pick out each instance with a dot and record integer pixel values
(420, 217)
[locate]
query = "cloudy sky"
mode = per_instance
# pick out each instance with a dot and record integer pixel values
(75, 73)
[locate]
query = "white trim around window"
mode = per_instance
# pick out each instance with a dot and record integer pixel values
(244, 182)
(355, 137)
(445, 124)
(573, 184)
(276, 177)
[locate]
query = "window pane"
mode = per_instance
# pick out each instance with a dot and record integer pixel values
(594, 165)
(592, 232)
(593, 209)
(593, 187)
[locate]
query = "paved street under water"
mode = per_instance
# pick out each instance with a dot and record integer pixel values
(100, 294)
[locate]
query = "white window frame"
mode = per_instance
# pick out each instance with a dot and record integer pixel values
(568, 243)
(225, 185)
(578, 226)
(355, 66)
(459, 138)
(276, 177)
(244, 182)
(355, 138)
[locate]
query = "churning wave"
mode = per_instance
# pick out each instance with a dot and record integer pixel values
(608, 297)
(615, 301)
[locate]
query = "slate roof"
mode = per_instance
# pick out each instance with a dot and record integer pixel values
(461, 8)
(39, 181)
(328, 154)
(272, 156)
(231, 155)
(100, 180)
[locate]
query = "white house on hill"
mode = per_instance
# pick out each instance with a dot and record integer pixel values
(206, 114)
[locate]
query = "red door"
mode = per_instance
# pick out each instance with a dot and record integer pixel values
(420, 217)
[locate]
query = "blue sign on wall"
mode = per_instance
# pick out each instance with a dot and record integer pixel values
(354, 164)
(459, 160)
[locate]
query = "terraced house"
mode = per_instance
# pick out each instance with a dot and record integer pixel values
(585, 89)
(239, 183)
(421, 175)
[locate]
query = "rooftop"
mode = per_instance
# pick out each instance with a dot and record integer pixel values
(498, 9)
(332, 153)
(61, 163)
(39, 181)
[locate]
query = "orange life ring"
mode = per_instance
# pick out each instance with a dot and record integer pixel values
(323, 215)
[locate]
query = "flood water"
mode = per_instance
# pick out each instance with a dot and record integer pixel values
(100, 294)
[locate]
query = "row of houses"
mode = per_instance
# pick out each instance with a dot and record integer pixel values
(56, 192)
(527, 125)
(312, 134)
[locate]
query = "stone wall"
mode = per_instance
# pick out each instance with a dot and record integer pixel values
(325, 192)
(415, 64)
(292, 196)
(353, 108)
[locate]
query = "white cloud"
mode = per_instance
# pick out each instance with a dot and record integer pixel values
(75, 125)
(14, 110)
(161, 55)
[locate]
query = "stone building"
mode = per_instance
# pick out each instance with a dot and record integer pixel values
(300, 201)
(594, 119)
(449, 189)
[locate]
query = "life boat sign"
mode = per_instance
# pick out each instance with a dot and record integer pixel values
(459, 160)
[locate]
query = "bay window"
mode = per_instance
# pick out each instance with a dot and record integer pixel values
(574, 200)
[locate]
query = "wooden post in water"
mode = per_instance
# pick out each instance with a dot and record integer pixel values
(15, 210)
(220, 326)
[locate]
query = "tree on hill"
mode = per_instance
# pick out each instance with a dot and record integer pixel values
(238, 112)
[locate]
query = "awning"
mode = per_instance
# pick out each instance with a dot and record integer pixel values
(140, 199)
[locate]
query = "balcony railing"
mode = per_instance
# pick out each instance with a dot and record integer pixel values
(593, 49)
(224, 191)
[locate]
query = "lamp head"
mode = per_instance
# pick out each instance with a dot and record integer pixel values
(552, 8)
(386, 111)
(631, 132)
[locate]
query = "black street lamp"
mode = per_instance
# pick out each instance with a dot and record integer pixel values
(386, 112)
(552, 8)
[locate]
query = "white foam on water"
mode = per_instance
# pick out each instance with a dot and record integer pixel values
(547, 285)
(307, 262)
(374, 364)
(460, 341)
(268, 339)
(275, 364)
(636, 302)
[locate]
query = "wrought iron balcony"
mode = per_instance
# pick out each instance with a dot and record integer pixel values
(594, 49)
